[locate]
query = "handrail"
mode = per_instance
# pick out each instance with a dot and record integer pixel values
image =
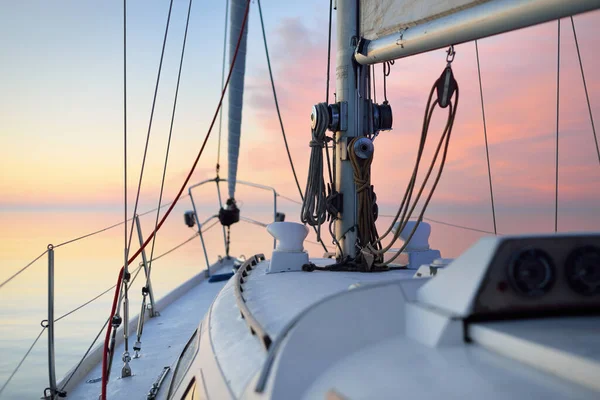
(46, 323)
(255, 327)
(246, 183)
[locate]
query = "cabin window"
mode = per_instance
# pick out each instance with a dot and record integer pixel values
(183, 364)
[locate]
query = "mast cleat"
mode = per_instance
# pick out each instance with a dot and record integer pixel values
(289, 254)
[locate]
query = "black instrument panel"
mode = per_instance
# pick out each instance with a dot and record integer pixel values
(533, 275)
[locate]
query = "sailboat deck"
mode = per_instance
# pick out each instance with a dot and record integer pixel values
(163, 340)
(264, 292)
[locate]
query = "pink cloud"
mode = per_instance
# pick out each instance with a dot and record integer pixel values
(519, 79)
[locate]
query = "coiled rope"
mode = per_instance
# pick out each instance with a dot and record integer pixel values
(314, 205)
(367, 231)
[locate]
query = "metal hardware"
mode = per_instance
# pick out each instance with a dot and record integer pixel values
(338, 116)
(126, 371)
(450, 54)
(382, 117)
(50, 326)
(188, 218)
(482, 20)
(151, 307)
(363, 148)
(158, 383)
(217, 180)
(200, 231)
(246, 183)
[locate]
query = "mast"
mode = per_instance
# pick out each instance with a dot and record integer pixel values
(346, 92)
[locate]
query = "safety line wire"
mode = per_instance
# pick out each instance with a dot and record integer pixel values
(139, 186)
(126, 249)
(22, 361)
(587, 97)
(222, 81)
(289, 199)
(13, 276)
(487, 150)
(84, 355)
(168, 212)
(99, 333)
(287, 148)
(164, 174)
(114, 225)
(557, 126)
(329, 52)
(468, 228)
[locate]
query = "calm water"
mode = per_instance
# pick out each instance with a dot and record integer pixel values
(88, 267)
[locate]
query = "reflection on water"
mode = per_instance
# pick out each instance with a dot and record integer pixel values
(86, 268)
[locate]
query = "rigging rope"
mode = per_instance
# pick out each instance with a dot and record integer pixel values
(328, 53)
(114, 225)
(487, 151)
(168, 212)
(164, 174)
(314, 205)
(468, 228)
(587, 96)
(367, 231)
(158, 74)
(84, 355)
(387, 69)
(557, 127)
(126, 249)
(287, 148)
(13, 276)
(218, 167)
(404, 213)
(22, 360)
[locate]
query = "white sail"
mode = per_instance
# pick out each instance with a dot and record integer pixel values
(394, 29)
(380, 18)
(236, 89)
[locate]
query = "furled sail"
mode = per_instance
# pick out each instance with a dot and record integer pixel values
(392, 29)
(236, 89)
(380, 18)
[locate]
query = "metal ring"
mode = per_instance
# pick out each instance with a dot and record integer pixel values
(44, 323)
(50, 246)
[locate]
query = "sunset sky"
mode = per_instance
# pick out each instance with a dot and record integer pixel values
(61, 108)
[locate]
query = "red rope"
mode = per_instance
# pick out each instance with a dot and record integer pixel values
(187, 179)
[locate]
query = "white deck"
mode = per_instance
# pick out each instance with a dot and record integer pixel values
(381, 369)
(275, 300)
(162, 342)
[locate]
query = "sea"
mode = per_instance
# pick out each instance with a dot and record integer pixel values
(86, 267)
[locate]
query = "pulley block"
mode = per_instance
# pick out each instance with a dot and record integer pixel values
(230, 214)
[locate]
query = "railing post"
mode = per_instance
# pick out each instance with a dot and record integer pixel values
(203, 247)
(274, 214)
(146, 268)
(200, 232)
(51, 364)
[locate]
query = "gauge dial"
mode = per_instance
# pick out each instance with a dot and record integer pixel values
(583, 270)
(531, 273)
